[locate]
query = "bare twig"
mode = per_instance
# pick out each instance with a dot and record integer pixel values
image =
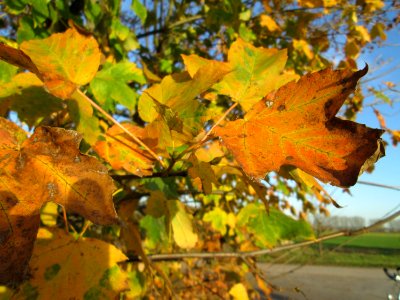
(385, 186)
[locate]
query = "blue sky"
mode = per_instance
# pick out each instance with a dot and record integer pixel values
(368, 201)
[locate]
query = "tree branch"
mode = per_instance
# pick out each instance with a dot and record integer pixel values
(213, 255)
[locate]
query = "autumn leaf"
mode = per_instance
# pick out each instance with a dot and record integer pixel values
(25, 94)
(62, 61)
(297, 126)
(123, 153)
(66, 268)
(46, 167)
(255, 72)
(110, 85)
(270, 228)
(181, 223)
(177, 92)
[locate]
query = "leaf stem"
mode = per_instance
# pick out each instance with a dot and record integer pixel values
(130, 134)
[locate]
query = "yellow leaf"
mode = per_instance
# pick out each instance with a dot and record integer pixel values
(269, 23)
(363, 33)
(49, 214)
(304, 47)
(239, 292)
(65, 268)
(64, 60)
(256, 72)
(181, 223)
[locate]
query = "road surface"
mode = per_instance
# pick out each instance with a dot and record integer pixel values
(326, 282)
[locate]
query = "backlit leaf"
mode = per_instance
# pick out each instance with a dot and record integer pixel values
(297, 126)
(181, 223)
(64, 60)
(46, 167)
(117, 148)
(178, 92)
(140, 10)
(218, 219)
(255, 72)
(65, 268)
(270, 228)
(110, 85)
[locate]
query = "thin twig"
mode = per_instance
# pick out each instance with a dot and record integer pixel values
(385, 186)
(85, 227)
(65, 219)
(130, 134)
(241, 254)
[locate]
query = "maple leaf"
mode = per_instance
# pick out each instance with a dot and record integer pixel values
(255, 72)
(297, 126)
(123, 153)
(62, 61)
(46, 167)
(65, 268)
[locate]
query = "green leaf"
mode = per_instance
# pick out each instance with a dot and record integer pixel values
(257, 72)
(218, 219)
(156, 234)
(270, 228)
(140, 10)
(7, 71)
(110, 85)
(181, 223)
(136, 282)
(178, 92)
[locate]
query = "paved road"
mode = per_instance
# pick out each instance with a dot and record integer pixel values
(326, 283)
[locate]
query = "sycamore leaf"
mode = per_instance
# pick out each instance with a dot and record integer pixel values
(140, 10)
(65, 268)
(25, 95)
(218, 219)
(181, 223)
(270, 228)
(255, 72)
(62, 61)
(46, 167)
(7, 71)
(297, 126)
(178, 92)
(118, 149)
(110, 85)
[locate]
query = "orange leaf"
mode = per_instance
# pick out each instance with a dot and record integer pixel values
(46, 167)
(297, 126)
(123, 153)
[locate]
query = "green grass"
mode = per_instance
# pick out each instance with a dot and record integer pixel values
(369, 240)
(369, 250)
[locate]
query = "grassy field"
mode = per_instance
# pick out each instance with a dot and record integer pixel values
(369, 250)
(373, 240)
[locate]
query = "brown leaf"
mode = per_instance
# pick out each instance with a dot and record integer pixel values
(297, 126)
(46, 167)
(17, 58)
